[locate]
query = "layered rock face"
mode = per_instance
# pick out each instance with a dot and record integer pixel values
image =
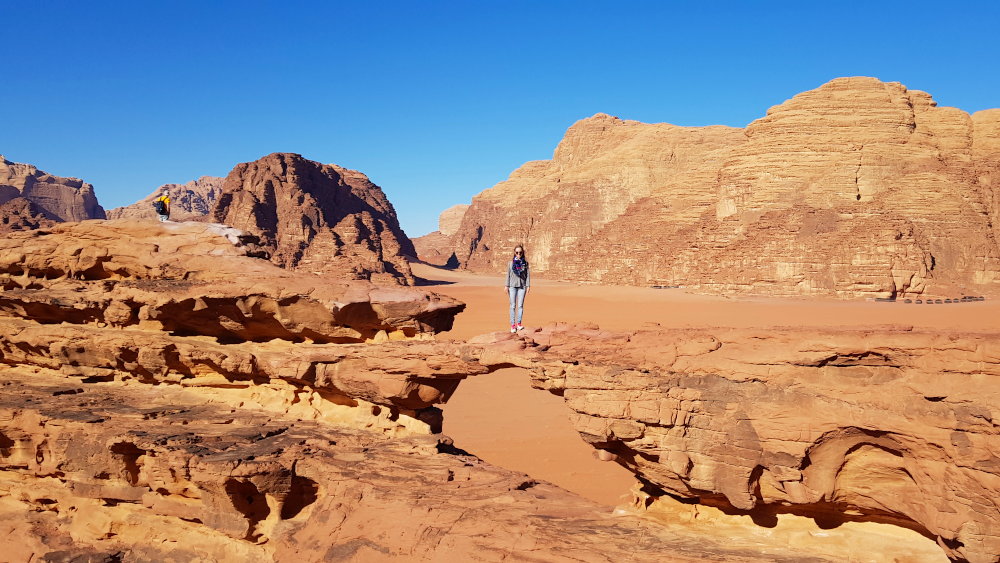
(52, 197)
(167, 397)
(191, 201)
(438, 247)
(317, 217)
(887, 425)
(857, 188)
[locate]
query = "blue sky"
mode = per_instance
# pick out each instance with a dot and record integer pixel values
(434, 101)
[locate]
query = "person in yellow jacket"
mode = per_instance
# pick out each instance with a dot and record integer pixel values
(162, 205)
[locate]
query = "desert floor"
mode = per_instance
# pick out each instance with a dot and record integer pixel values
(501, 419)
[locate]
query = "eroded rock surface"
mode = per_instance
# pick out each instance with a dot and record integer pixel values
(191, 201)
(52, 197)
(317, 218)
(857, 188)
(164, 396)
(140, 474)
(20, 214)
(881, 424)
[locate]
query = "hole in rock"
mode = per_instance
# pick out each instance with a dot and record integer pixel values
(249, 502)
(6, 445)
(128, 454)
(303, 493)
(97, 379)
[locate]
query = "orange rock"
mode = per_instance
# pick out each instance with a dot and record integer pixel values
(857, 188)
(881, 425)
(58, 199)
(317, 218)
(20, 214)
(103, 472)
(437, 247)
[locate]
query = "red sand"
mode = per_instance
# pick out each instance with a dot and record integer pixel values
(502, 420)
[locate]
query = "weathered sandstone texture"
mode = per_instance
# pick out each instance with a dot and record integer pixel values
(317, 218)
(21, 214)
(52, 197)
(191, 201)
(198, 278)
(110, 472)
(885, 424)
(438, 247)
(166, 397)
(857, 188)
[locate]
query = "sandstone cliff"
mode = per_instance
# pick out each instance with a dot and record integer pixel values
(317, 218)
(857, 188)
(191, 201)
(52, 197)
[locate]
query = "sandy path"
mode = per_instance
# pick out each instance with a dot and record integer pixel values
(502, 420)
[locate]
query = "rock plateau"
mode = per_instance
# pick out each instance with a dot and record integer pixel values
(857, 188)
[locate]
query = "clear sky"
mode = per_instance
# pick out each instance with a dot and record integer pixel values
(435, 101)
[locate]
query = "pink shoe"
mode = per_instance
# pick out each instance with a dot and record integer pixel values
(520, 326)
(513, 329)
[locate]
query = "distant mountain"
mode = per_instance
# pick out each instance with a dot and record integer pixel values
(188, 201)
(438, 247)
(52, 198)
(857, 188)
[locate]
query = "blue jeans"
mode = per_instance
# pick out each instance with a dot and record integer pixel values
(516, 295)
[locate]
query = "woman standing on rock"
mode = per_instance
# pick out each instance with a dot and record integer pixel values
(518, 282)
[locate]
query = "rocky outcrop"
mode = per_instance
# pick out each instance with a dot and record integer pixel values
(438, 247)
(20, 214)
(166, 396)
(94, 472)
(191, 201)
(55, 198)
(317, 218)
(857, 188)
(889, 425)
(199, 278)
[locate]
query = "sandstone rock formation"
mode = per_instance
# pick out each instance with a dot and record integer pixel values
(438, 247)
(191, 201)
(883, 424)
(90, 472)
(199, 278)
(857, 188)
(21, 214)
(167, 397)
(57, 199)
(317, 218)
